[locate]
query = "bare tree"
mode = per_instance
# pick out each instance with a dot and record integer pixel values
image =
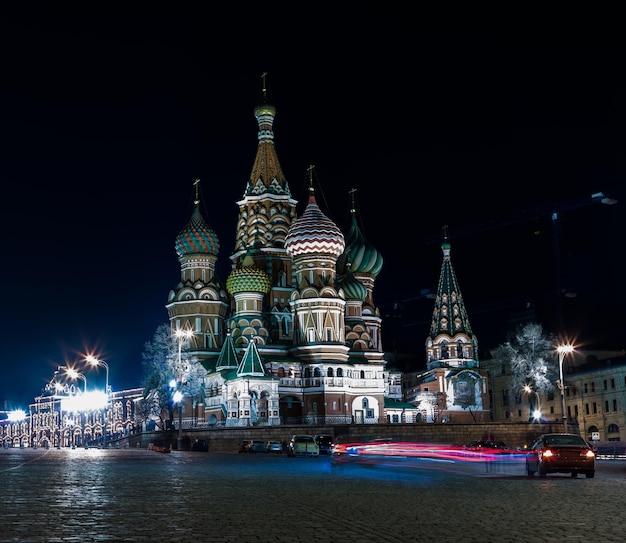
(168, 368)
(531, 356)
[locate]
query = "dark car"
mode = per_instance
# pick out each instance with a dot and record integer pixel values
(257, 446)
(561, 453)
(324, 442)
(245, 446)
(302, 445)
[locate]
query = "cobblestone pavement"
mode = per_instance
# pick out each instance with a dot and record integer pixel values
(92, 495)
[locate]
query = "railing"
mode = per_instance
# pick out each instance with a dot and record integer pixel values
(328, 382)
(608, 450)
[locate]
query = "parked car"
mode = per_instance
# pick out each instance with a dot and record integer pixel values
(302, 445)
(245, 446)
(561, 453)
(274, 447)
(324, 442)
(257, 446)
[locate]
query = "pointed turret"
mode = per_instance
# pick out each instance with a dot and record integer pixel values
(199, 301)
(451, 342)
(315, 243)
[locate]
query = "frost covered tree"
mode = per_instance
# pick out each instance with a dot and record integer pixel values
(531, 356)
(168, 367)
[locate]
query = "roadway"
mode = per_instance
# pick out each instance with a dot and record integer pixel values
(106, 495)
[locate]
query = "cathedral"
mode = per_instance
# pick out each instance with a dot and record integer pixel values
(293, 336)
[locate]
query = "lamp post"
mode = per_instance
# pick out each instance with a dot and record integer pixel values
(97, 362)
(182, 336)
(73, 374)
(563, 350)
(535, 413)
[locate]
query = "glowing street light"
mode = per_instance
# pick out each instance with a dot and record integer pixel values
(563, 350)
(182, 336)
(90, 359)
(97, 362)
(73, 374)
(536, 413)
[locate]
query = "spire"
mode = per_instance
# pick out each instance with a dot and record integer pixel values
(251, 364)
(267, 175)
(228, 356)
(450, 315)
(311, 189)
(267, 208)
(196, 201)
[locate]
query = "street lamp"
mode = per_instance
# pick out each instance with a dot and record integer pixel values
(73, 374)
(536, 413)
(97, 362)
(77, 406)
(182, 336)
(563, 350)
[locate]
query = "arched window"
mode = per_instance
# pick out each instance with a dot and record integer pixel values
(330, 372)
(339, 372)
(613, 429)
(317, 372)
(365, 403)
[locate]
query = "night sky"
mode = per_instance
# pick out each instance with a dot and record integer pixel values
(484, 124)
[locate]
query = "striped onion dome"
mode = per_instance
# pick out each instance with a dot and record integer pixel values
(248, 278)
(314, 233)
(364, 258)
(197, 237)
(352, 287)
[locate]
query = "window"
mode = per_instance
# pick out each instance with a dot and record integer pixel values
(586, 409)
(606, 385)
(614, 405)
(606, 405)
(612, 382)
(586, 388)
(595, 408)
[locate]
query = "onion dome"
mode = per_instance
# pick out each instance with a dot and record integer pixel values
(197, 237)
(313, 233)
(364, 258)
(248, 278)
(353, 288)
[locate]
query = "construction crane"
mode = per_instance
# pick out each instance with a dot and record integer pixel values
(553, 212)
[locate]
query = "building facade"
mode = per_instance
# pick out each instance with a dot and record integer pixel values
(594, 395)
(293, 335)
(453, 388)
